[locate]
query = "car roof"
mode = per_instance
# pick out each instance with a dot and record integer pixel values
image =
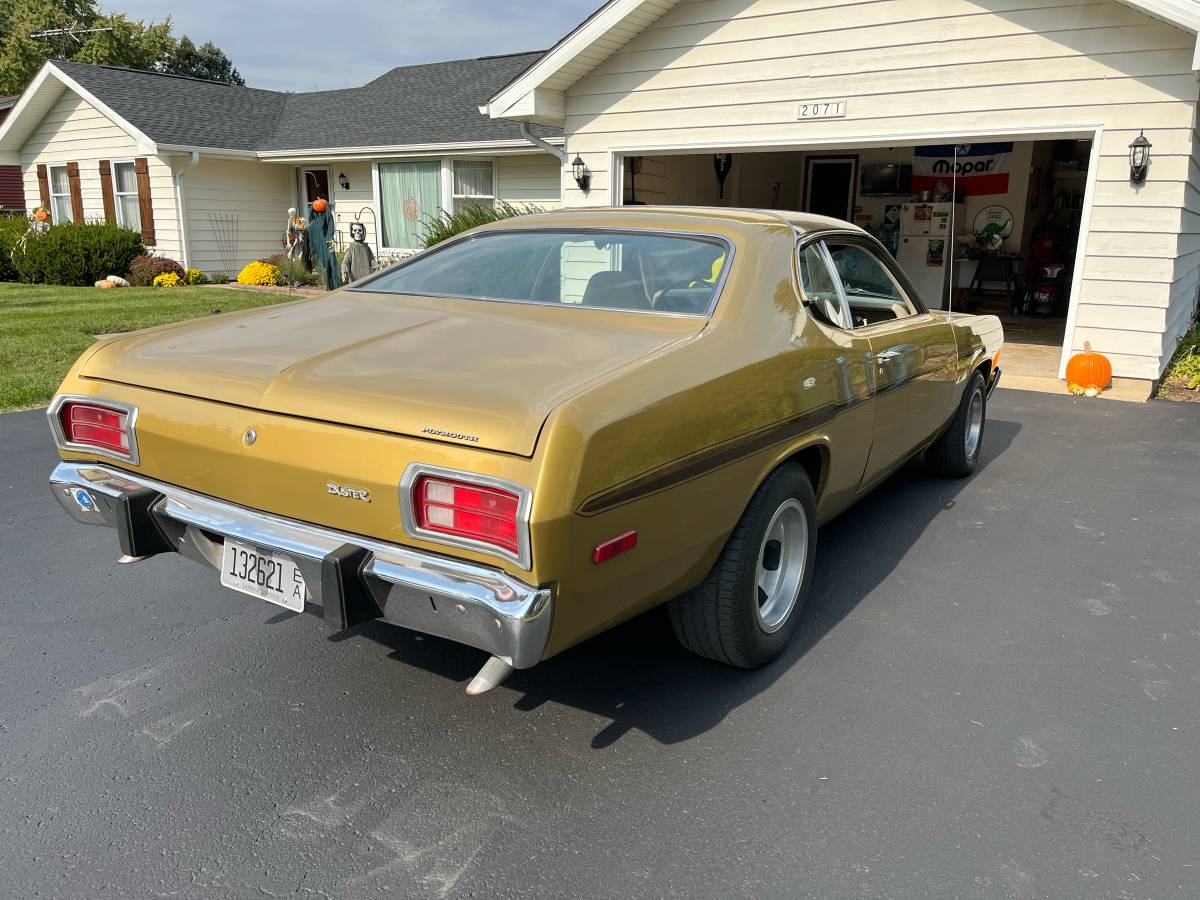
(679, 218)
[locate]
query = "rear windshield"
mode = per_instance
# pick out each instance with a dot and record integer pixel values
(605, 269)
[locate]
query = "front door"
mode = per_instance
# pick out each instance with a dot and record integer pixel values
(915, 360)
(315, 184)
(829, 186)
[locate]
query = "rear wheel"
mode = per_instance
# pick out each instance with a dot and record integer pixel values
(745, 610)
(956, 452)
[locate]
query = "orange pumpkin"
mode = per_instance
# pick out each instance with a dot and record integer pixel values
(320, 204)
(41, 214)
(1089, 370)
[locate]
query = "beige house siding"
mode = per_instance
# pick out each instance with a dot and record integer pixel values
(358, 200)
(529, 180)
(75, 131)
(728, 73)
(257, 195)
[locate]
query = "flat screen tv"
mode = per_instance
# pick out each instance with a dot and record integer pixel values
(886, 180)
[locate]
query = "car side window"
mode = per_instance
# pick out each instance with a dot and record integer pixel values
(872, 291)
(820, 287)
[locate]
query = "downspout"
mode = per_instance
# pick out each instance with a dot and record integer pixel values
(183, 241)
(538, 142)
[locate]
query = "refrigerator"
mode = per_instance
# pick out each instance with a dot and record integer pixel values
(926, 241)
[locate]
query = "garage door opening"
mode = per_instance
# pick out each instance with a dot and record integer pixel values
(1000, 238)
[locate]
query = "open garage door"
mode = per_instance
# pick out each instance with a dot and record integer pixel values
(991, 226)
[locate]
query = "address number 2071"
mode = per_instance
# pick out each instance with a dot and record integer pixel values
(826, 109)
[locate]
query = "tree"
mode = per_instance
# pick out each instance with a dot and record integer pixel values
(122, 42)
(206, 61)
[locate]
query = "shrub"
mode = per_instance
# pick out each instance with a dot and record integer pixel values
(1186, 365)
(11, 229)
(144, 269)
(259, 273)
(446, 225)
(291, 271)
(77, 253)
(167, 279)
(194, 276)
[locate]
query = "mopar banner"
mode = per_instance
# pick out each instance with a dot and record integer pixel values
(982, 169)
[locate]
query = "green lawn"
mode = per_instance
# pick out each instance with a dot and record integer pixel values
(43, 329)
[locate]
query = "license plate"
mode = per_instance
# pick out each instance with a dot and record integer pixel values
(262, 573)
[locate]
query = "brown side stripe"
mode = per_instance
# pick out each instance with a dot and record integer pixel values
(711, 458)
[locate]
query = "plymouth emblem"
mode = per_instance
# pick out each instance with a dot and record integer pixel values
(350, 493)
(455, 435)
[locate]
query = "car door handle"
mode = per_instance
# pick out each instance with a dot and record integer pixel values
(888, 356)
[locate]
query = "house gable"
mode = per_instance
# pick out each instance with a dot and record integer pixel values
(36, 103)
(538, 94)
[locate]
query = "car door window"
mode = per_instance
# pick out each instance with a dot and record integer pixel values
(820, 286)
(872, 292)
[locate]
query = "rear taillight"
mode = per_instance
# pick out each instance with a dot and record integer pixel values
(457, 509)
(100, 425)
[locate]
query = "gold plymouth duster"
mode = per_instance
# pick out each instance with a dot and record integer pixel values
(537, 430)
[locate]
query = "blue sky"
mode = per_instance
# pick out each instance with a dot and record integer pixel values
(305, 45)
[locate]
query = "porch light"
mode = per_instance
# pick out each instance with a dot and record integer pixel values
(583, 177)
(343, 181)
(1139, 159)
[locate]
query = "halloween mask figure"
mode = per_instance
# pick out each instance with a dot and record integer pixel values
(359, 260)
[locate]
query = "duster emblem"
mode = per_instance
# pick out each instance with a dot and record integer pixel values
(351, 493)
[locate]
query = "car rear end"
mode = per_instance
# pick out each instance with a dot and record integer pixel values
(421, 533)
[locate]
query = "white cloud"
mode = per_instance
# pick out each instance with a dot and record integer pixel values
(305, 45)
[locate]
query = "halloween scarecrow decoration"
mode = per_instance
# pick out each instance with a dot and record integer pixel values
(359, 260)
(321, 232)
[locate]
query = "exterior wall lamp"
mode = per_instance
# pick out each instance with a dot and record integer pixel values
(343, 181)
(1139, 159)
(583, 177)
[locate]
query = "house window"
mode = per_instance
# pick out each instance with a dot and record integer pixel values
(60, 195)
(125, 195)
(410, 195)
(474, 183)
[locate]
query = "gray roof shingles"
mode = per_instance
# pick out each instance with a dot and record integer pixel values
(434, 103)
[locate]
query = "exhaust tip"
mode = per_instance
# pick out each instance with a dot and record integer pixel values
(493, 673)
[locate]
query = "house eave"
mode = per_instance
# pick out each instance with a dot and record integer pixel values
(465, 148)
(520, 99)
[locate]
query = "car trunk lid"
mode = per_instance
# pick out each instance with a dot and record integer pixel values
(462, 371)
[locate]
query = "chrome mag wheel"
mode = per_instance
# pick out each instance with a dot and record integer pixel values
(974, 424)
(781, 562)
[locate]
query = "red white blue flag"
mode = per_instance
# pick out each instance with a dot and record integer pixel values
(982, 168)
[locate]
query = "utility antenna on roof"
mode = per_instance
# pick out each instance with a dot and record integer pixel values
(72, 31)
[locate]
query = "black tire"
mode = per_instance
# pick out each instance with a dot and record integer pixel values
(720, 619)
(953, 455)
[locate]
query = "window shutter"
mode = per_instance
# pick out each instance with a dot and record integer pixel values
(44, 185)
(76, 194)
(145, 204)
(106, 192)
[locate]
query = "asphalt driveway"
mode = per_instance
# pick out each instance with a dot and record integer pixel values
(997, 693)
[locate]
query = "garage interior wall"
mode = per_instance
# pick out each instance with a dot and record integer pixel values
(730, 73)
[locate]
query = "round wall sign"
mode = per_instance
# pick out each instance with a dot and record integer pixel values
(993, 221)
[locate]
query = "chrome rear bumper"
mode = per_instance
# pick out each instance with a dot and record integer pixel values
(352, 577)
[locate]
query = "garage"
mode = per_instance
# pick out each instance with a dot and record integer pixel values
(1076, 120)
(987, 226)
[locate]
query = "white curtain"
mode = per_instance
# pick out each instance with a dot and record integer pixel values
(128, 213)
(60, 194)
(473, 179)
(410, 192)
